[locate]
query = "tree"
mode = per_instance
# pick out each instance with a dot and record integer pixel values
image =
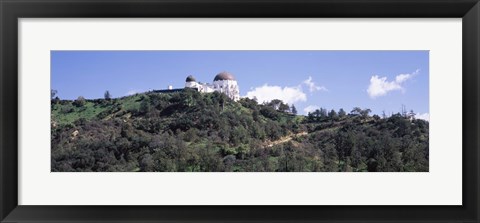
(53, 93)
(275, 104)
(56, 100)
(364, 113)
(80, 101)
(356, 111)
(332, 114)
(342, 113)
(145, 107)
(284, 107)
(146, 163)
(249, 103)
(269, 112)
(107, 95)
(323, 113)
(294, 110)
(316, 114)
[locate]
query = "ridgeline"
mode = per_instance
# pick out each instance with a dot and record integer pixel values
(187, 131)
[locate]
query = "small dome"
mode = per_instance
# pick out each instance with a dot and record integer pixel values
(224, 76)
(190, 78)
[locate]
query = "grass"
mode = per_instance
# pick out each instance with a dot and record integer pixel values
(66, 113)
(88, 111)
(132, 102)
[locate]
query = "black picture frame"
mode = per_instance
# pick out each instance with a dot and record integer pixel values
(12, 10)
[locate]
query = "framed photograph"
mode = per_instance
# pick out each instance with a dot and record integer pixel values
(228, 111)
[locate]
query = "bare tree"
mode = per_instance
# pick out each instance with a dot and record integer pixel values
(107, 95)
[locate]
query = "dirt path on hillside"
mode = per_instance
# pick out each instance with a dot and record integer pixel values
(286, 139)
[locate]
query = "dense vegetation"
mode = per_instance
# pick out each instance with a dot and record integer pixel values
(189, 131)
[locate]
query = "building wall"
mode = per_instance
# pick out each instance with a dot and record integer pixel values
(191, 84)
(228, 87)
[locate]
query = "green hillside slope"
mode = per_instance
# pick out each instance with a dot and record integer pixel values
(189, 131)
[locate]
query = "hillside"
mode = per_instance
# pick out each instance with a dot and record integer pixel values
(189, 131)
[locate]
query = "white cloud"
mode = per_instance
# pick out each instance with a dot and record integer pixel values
(424, 116)
(267, 93)
(379, 86)
(312, 86)
(310, 108)
(288, 95)
(403, 77)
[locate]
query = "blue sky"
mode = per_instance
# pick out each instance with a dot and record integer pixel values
(379, 80)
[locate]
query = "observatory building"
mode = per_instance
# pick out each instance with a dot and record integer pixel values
(224, 82)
